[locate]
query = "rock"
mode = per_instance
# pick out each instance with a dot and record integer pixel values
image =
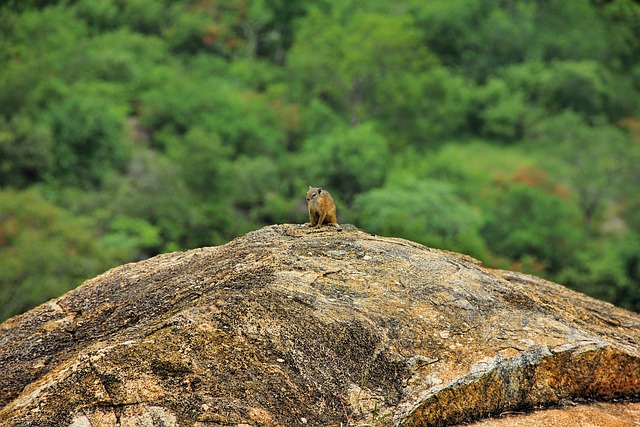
(289, 326)
(596, 414)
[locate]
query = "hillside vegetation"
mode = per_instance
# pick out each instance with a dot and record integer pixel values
(507, 130)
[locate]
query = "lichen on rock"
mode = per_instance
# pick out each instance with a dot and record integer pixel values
(292, 326)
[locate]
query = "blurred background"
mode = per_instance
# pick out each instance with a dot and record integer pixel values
(506, 130)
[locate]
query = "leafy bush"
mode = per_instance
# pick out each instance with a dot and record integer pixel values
(425, 211)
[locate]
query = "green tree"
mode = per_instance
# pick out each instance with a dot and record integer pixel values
(575, 85)
(173, 125)
(129, 59)
(100, 15)
(622, 22)
(259, 191)
(477, 38)
(35, 48)
(368, 66)
(132, 238)
(252, 28)
(596, 160)
(247, 122)
(427, 110)
(608, 269)
(44, 251)
(25, 151)
(88, 141)
(348, 64)
(428, 212)
(505, 107)
(521, 95)
(532, 220)
(346, 160)
(154, 191)
(202, 159)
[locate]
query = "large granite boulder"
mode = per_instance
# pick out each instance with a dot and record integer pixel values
(290, 326)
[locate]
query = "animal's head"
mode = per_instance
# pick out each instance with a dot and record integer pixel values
(313, 193)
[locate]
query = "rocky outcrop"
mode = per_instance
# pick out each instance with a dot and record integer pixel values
(291, 326)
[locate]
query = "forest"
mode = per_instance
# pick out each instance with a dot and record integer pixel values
(506, 130)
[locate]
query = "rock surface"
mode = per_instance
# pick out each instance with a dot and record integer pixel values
(289, 326)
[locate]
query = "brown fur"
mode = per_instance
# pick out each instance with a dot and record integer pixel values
(322, 209)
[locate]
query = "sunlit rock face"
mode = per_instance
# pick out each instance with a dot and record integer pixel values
(291, 326)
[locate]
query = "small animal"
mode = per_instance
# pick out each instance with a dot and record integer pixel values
(322, 209)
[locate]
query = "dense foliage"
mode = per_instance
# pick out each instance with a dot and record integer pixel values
(506, 130)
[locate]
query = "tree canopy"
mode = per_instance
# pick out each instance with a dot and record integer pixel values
(506, 130)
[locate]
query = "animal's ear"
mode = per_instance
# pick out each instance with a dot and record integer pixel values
(310, 187)
(319, 190)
